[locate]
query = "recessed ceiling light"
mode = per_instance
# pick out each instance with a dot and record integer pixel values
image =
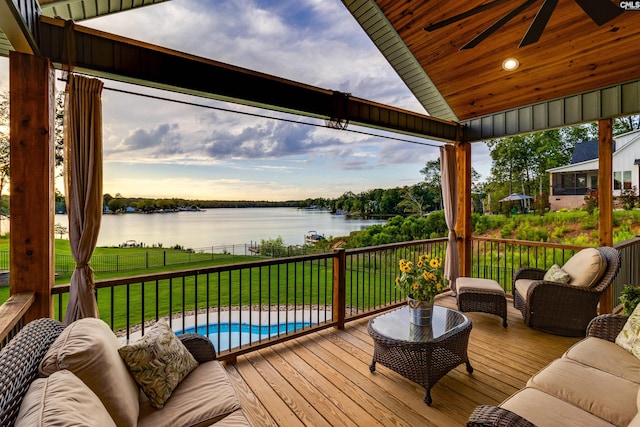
(510, 64)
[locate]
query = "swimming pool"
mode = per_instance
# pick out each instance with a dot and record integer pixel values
(229, 335)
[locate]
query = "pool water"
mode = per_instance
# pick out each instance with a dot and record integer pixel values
(230, 335)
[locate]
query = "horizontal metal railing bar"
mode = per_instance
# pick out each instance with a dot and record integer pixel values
(527, 243)
(109, 283)
(395, 245)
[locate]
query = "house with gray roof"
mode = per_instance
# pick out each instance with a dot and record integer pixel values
(570, 183)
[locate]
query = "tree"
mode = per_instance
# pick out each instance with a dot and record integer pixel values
(411, 202)
(4, 144)
(432, 184)
(626, 124)
(59, 129)
(520, 162)
(60, 229)
(117, 204)
(431, 187)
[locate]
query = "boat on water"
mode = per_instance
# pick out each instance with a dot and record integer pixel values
(313, 237)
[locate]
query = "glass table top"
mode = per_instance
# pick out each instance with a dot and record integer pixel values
(395, 325)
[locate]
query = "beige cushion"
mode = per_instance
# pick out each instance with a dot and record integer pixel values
(158, 362)
(586, 267)
(629, 336)
(235, 419)
(202, 398)
(471, 284)
(62, 400)
(604, 395)
(556, 274)
(523, 285)
(605, 356)
(545, 410)
(89, 349)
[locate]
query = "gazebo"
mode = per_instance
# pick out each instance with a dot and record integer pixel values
(482, 69)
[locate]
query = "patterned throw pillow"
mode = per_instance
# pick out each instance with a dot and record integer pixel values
(556, 274)
(158, 362)
(629, 336)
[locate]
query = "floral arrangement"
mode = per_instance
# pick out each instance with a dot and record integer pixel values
(422, 281)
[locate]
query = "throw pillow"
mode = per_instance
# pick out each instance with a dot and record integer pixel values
(586, 267)
(158, 362)
(556, 274)
(629, 336)
(61, 400)
(89, 349)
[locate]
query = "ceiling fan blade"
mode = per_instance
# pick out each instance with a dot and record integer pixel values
(496, 25)
(539, 23)
(463, 15)
(600, 11)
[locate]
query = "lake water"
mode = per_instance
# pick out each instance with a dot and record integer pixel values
(216, 227)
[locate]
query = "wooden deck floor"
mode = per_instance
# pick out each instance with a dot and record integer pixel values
(323, 379)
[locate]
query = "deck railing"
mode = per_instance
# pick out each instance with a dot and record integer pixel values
(12, 316)
(629, 273)
(310, 292)
(499, 259)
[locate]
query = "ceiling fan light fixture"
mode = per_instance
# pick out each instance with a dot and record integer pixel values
(510, 64)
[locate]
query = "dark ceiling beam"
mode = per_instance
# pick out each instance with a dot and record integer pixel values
(121, 59)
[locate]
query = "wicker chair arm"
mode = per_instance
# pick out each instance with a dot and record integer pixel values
(565, 288)
(529, 273)
(199, 346)
(606, 326)
(487, 415)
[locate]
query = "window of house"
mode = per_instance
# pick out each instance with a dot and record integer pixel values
(581, 180)
(617, 180)
(568, 181)
(627, 180)
(594, 182)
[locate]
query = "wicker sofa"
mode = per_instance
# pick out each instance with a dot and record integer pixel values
(96, 391)
(595, 383)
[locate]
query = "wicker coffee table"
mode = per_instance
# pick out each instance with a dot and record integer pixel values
(423, 354)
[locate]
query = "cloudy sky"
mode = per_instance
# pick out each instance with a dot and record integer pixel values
(156, 148)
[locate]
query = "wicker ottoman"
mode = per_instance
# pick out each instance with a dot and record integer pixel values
(483, 295)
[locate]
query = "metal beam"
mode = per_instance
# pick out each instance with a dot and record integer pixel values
(613, 101)
(18, 23)
(117, 58)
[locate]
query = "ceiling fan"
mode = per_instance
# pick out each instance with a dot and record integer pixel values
(600, 12)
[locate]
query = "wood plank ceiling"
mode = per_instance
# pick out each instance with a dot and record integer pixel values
(576, 52)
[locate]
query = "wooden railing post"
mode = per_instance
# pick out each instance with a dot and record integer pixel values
(32, 97)
(605, 197)
(463, 224)
(339, 294)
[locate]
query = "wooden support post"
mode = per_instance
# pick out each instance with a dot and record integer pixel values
(32, 97)
(339, 294)
(605, 197)
(463, 223)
